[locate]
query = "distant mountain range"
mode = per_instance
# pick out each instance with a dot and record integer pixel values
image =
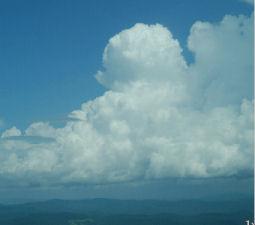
(122, 212)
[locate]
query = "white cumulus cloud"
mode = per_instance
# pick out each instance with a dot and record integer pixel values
(160, 117)
(144, 53)
(12, 132)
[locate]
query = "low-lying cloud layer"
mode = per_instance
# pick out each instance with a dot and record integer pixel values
(160, 118)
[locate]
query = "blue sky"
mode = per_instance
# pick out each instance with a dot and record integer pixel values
(50, 51)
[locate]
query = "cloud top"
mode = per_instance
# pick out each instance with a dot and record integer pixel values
(141, 53)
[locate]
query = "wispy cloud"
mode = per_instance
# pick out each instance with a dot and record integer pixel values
(249, 1)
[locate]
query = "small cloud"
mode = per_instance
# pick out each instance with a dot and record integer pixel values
(12, 132)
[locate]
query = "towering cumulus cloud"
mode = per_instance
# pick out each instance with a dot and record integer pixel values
(160, 117)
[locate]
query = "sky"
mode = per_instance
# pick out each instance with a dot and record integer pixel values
(108, 99)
